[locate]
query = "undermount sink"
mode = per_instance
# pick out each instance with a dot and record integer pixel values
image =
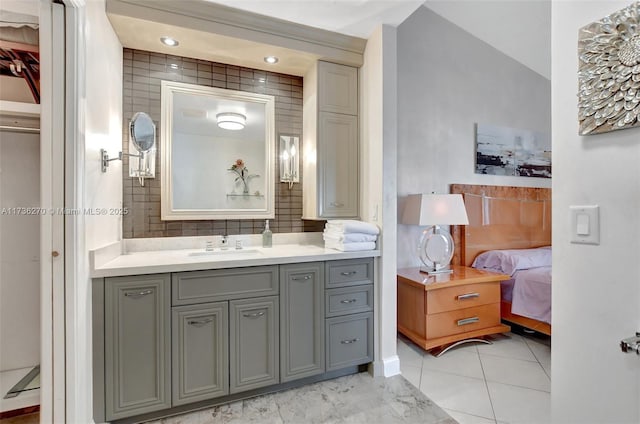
(225, 252)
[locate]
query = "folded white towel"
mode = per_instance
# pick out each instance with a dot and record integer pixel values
(350, 247)
(352, 226)
(349, 237)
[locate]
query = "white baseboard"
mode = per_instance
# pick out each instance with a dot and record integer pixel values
(387, 367)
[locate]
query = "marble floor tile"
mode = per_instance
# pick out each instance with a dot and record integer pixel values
(515, 405)
(450, 391)
(409, 353)
(515, 372)
(357, 398)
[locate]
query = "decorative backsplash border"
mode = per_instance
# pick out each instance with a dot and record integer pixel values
(142, 73)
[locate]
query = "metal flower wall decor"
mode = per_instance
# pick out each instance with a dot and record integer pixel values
(609, 72)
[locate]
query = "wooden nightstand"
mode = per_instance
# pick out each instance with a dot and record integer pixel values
(438, 311)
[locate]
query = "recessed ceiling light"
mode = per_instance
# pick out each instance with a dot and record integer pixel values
(271, 60)
(168, 41)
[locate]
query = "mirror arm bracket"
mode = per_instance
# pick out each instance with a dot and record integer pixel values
(104, 156)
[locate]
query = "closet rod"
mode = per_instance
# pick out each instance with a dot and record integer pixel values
(19, 129)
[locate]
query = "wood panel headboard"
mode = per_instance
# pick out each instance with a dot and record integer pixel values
(501, 217)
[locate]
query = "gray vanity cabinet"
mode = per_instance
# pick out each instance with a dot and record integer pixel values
(253, 350)
(137, 345)
(301, 320)
(349, 306)
(200, 352)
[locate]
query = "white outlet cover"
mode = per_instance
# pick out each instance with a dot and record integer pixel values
(585, 224)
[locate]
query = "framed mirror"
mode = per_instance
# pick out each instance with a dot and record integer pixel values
(217, 153)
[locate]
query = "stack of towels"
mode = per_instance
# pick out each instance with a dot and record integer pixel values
(350, 235)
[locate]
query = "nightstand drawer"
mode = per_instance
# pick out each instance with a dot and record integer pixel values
(348, 300)
(463, 320)
(349, 272)
(460, 297)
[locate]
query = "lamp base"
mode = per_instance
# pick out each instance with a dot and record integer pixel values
(430, 271)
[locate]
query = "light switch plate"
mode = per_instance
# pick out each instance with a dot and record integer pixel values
(585, 224)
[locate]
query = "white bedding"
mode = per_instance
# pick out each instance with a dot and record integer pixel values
(531, 296)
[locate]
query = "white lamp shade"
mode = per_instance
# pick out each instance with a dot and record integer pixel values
(434, 209)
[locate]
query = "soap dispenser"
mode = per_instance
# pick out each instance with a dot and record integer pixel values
(267, 236)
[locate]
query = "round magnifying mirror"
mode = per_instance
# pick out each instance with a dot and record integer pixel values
(143, 132)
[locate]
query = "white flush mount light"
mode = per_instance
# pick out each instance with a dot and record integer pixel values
(168, 41)
(231, 121)
(271, 60)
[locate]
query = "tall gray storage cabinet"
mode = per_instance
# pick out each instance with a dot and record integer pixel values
(301, 320)
(137, 345)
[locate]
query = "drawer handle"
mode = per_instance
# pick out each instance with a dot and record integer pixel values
(254, 315)
(349, 341)
(306, 277)
(468, 321)
(349, 301)
(138, 294)
(468, 296)
(348, 273)
(199, 321)
(336, 204)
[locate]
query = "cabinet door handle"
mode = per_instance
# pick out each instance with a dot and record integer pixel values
(349, 341)
(200, 321)
(138, 294)
(467, 321)
(254, 315)
(336, 204)
(349, 301)
(468, 296)
(348, 273)
(306, 277)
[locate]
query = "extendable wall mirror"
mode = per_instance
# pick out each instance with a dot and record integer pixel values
(142, 137)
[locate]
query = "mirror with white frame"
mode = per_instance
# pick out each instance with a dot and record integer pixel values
(217, 153)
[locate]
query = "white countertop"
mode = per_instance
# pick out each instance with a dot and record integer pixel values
(160, 261)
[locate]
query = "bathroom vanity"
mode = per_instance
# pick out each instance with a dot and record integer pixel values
(182, 329)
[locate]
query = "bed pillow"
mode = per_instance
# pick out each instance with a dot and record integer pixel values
(511, 260)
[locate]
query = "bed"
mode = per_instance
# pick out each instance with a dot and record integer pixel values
(509, 232)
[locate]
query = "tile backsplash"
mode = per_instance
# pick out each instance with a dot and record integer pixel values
(142, 73)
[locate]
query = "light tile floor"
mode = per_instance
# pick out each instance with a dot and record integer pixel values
(507, 382)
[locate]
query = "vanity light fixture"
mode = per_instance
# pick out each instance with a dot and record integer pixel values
(289, 159)
(271, 60)
(168, 41)
(231, 121)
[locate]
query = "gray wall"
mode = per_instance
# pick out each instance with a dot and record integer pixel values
(449, 80)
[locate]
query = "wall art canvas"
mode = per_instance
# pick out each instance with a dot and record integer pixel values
(609, 72)
(512, 151)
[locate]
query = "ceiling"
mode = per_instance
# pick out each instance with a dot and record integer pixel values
(520, 29)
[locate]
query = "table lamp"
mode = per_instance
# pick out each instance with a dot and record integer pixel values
(436, 245)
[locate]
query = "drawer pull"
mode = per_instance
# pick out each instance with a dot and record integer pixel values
(138, 294)
(336, 204)
(200, 321)
(254, 315)
(306, 277)
(349, 341)
(348, 273)
(349, 301)
(468, 296)
(467, 321)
